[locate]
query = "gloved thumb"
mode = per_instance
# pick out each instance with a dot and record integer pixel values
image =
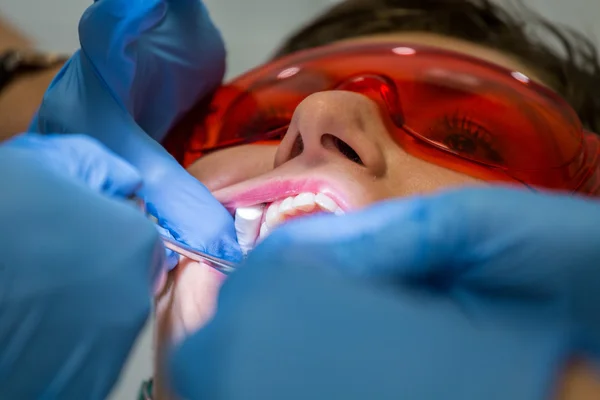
(190, 214)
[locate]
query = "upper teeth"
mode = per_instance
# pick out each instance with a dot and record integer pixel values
(247, 225)
(247, 221)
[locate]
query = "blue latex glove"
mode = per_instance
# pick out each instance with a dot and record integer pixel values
(142, 64)
(77, 268)
(473, 294)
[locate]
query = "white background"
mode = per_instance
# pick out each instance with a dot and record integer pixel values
(252, 29)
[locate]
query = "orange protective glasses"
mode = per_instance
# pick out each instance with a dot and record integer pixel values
(447, 108)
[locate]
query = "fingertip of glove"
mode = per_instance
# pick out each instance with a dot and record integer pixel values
(231, 251)
(171, 259)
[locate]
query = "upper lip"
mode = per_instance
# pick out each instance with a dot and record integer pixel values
(260, 191)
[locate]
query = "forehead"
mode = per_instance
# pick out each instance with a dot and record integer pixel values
(484, 53)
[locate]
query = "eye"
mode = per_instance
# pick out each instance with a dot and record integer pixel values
(462, 135)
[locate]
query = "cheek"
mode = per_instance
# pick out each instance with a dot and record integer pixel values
(229, 166)
(413, 176)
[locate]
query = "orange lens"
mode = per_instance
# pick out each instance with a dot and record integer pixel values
(448, 108)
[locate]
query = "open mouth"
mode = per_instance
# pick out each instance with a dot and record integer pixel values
(256, 222)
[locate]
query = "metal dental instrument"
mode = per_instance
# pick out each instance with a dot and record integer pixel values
(223, 266)
(220, 265)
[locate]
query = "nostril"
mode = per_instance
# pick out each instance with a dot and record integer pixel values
(331, 141)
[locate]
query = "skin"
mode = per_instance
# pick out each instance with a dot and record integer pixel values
(387, 172)
(20, 99)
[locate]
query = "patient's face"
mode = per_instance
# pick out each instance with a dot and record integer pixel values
(340, 146)
(341, 139)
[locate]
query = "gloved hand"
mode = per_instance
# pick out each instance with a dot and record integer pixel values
(472, 294)
(142, 64)
(77, 268)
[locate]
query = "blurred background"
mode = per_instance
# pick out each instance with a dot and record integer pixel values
(251, 29)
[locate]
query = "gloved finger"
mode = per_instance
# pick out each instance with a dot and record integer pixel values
(182, 205)
(484, 236)
(171, 258)
(81, 158)
(157, 57)
(190, 214)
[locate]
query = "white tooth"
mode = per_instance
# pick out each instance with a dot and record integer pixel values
(247, 225)
(338, 211)
(304, 202)
(264, 231)
(273, 217)
(287, 206)
(326, 203)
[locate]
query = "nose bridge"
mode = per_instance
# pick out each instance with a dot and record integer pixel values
(334, 113)
(381, 90)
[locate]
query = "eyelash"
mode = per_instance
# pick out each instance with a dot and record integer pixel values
(458, 125)
(461, 123)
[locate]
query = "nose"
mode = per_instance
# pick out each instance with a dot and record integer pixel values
(336, 126)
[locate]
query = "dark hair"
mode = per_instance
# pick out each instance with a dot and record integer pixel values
(565, 58)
